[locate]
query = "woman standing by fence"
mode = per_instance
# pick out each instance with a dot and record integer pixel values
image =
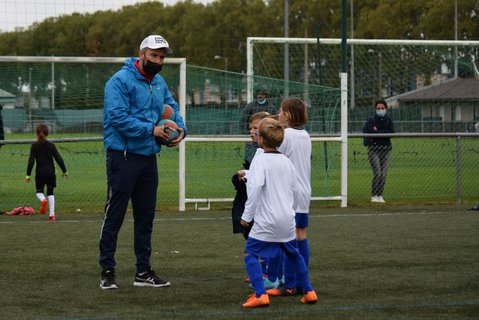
(379, 149)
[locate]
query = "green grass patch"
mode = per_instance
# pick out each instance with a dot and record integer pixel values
(366, 263)
(422, 171)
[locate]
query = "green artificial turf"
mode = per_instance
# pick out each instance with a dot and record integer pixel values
(366, 263)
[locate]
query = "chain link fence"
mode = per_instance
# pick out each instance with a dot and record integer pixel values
(424, 169)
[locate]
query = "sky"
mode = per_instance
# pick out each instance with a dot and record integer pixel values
(23, 13)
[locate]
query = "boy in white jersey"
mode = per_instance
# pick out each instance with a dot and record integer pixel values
(296, 146)
(237, 179)
(272, 268)
(240, 186)
(271, 183)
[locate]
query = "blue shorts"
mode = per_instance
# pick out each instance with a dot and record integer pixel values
(265, 249)
(302, 220)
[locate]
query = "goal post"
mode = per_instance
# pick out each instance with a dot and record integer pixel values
(343, 138)
(387, 69)
(66, 93)
(204, 203)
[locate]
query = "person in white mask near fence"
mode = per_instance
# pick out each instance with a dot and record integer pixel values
(379, 149)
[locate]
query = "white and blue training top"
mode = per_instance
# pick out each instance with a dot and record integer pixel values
(297, 147)
(271, 185)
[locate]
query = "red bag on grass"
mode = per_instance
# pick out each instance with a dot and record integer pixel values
(21, 211)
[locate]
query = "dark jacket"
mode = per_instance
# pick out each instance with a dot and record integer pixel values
(2, 133)
(383, 125)
(43, 154)
(250, 109)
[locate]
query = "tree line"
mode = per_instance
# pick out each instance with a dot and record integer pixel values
(200, 32)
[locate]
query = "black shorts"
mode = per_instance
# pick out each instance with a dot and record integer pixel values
(50, 181)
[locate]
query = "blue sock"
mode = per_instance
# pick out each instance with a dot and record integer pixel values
(273, 267)
(303, 247)
(264, 265)
(281, 267)
(302, 276)
(289, 273)
(255, 274)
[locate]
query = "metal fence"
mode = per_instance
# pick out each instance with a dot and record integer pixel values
(425, 168)
(430, 167)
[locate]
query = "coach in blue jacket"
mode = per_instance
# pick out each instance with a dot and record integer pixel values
(134, 99)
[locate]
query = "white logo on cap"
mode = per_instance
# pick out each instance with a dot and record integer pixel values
(159, 40)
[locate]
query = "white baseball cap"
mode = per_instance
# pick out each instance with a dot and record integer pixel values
(155, 42)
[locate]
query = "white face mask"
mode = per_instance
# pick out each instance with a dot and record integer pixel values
(261, 101)
(381, 112)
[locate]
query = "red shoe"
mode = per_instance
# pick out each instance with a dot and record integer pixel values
(253, 302)
(43, 206)
(310, 297)
(52, 218)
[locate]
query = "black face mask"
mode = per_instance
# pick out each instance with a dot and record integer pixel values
(151, 68)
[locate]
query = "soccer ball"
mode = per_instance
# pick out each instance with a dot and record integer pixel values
(168, 112)
(172, 129)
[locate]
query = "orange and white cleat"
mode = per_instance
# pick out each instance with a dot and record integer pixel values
(52, 218)
(254, 302)
(310, 297)
(43, 206)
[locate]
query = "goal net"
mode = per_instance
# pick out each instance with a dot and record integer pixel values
(428, 84)
(67, 94)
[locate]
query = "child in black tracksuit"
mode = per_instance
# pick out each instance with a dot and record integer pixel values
(43, 152)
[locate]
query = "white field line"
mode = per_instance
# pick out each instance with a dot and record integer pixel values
(313, 216)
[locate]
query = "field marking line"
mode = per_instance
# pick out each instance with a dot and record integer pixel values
(312, 310)
(334, 215)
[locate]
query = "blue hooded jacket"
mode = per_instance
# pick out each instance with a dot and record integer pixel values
(132, 107)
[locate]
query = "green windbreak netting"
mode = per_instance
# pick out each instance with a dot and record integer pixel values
(69, 97)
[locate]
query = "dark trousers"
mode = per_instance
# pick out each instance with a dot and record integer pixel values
(379, 158)
(237, 210)
(132, 177)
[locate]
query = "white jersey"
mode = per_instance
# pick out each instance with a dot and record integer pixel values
(271, 185)
(258, 151)
(297, 147)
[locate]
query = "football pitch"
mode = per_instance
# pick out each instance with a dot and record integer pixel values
(374, 262)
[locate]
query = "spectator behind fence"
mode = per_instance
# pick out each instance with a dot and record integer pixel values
(2, 132)
(379, 149)
(260, 104)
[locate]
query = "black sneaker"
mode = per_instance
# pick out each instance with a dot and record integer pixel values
(149, 279)
(108, 280)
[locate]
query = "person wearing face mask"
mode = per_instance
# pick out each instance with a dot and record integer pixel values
(2, 132)
(379, 149)
(133, 104)
(260, 104)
